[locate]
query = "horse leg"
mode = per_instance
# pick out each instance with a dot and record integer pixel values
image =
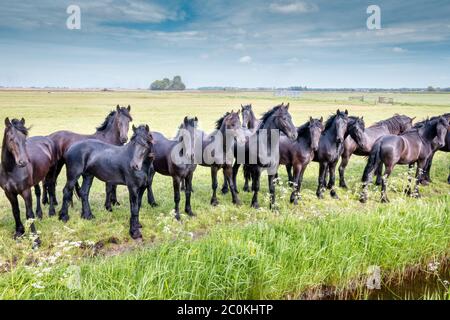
(225, 183)
(228, 173)
(235, 173)
(289, 174)
(298, 176)
(410, 178)
(384, 181)
(332, 170)
(379, 174)
(256, 174)
(188, 192)
(108, 203)
(150, 197)
(52, 197)
(214, 184)
(176, 196)
(37, 192)
(426, 178)
(52, 180)
(182, 186)
(342, 166)
(272, 190)
(86, 212)
(20, 230)
(322, 179)
(67, 197)
(135, 232)
(421, 171)
(28, 198)
(114, 200)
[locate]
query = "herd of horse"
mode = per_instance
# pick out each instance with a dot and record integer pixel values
(238, 137)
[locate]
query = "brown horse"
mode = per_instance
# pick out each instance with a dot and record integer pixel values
(413, 146)
(25, 163)
(114, 130)
(394, 125)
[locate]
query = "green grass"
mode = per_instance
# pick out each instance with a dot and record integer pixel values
(224, 252)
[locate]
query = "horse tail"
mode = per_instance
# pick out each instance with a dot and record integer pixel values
(78, 190)
(373, 162)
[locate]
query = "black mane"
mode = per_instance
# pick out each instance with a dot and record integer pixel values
(109, 118)
(265, 116)
(19, 126)
(220, 121)
(303, 130)
(395, 123)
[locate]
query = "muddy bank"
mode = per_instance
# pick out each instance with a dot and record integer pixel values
(430, 281)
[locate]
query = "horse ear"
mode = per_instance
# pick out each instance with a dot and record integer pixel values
(7, 122)
(346, 111)
(287, 106)
(23, 121)
(186, 120)
(238, 112)
(338, 111)
(118, 107)
(413, 119)
(129, 108)
(134, 128)
(195, 119)
(147, 128)
(362, 118)
(321, 119)
(310, 119)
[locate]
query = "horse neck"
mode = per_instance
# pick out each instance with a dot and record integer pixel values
(253, 121)
(8, 161)
(331, 131)
(427, 134)
(109, 134)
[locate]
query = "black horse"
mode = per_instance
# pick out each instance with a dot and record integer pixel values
(175, 158)
(414, 146)
(300, 153)
(330, 149)
(25, 163)
(218, 151)
(117, 165)
(426, 179)
(367, 138)
(249, 124)
(114, 130)
(258, 149)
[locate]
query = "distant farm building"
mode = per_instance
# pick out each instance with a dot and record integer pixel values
(385, 100)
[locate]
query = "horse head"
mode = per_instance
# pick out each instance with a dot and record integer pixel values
(15, 140)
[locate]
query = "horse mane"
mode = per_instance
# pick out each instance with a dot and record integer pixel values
(265, 116)
(393, 123)
(19, 126)
(111, 116)
(303, 130)
(421, 123)
(220, 121)
(329, 122)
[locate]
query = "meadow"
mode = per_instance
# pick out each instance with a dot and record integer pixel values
(228, 252)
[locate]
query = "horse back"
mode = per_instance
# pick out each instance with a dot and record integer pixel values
(63, 140)
(42, 154)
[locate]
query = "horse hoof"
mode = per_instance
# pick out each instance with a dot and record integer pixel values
(36, 243)
(39, 215)
(384, 200)
(64, 218)
(246, 189)
(153, 204)
(51, 212)
(109, 209)
(237, 203)
(224, 190)
(425, 182)
(320, 196)
(116, 203)
(136, 234)
(255, 205)
(88, 216)
(214, 202)
(363, 200)
(343, 186)
(335, 196)
(189, 212)
(177, 217)
(18, 234)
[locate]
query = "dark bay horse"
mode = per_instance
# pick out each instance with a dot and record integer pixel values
(175, 158)
(330, 149)
(258, 149)
(249, 123)
(114, 130)
(117, 165)
(394, 125)
(413, 146)
(446, 148)
(300, 153)
(218, 151)
(25, 163)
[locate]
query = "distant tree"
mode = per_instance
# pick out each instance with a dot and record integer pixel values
(166, 84)
(431, 89)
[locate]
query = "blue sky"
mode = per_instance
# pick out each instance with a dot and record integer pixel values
(248, 43)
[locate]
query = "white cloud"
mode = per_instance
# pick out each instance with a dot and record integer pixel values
(398, 50)
(245, 59)
(293, 7)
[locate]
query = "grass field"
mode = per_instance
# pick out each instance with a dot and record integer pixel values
(225, 252)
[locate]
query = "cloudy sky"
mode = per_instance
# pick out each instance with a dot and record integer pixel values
(248, 43)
